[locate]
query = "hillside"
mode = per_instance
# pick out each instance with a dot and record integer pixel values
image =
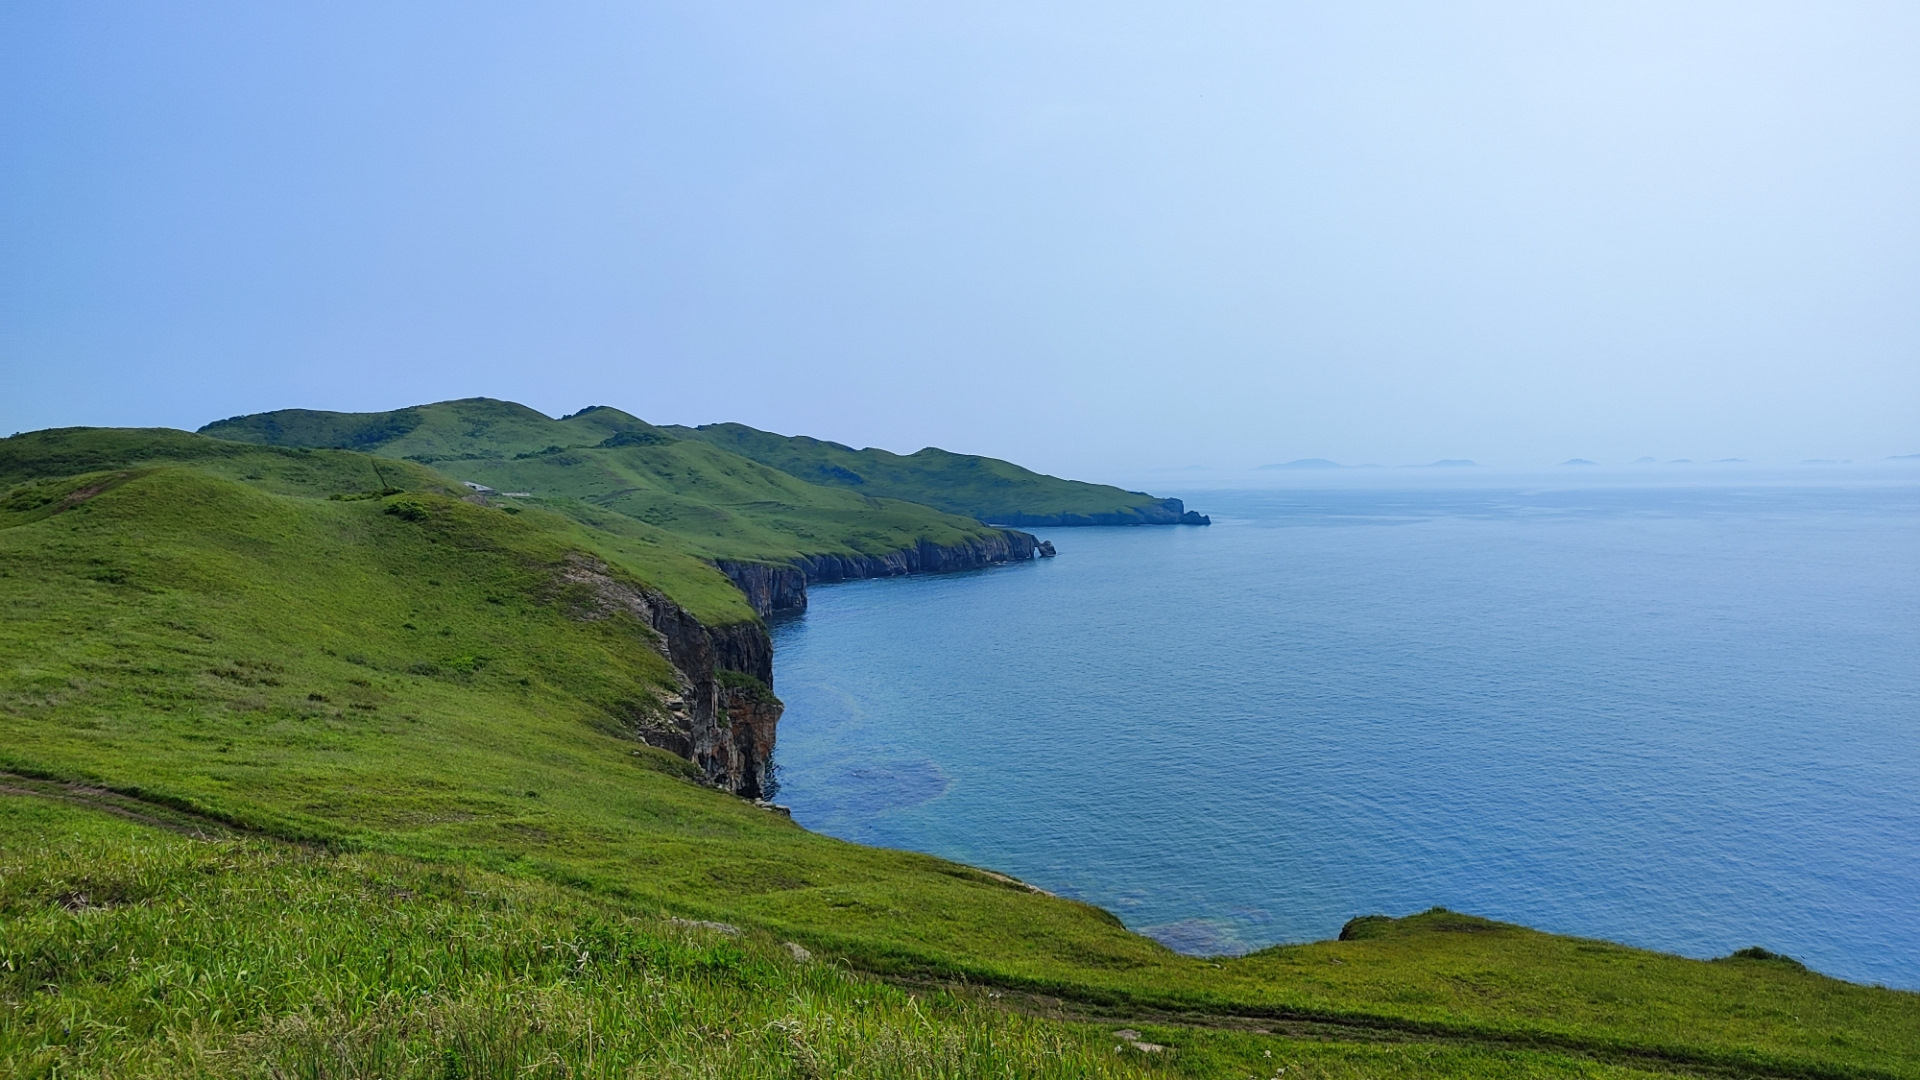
(983, 488)
(610, 470)
(413, 740)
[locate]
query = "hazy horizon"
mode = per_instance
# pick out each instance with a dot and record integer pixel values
(1099, 241)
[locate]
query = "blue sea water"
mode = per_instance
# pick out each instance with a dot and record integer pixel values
(1680, 716)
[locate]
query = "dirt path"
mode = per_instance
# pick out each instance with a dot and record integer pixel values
(1292, 1025)
(1377, 1030)
(132, 808)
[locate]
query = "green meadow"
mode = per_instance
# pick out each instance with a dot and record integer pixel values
(317, 766)
(615, 471)
(978, 487)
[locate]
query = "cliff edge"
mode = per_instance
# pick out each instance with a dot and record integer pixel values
(781, 588)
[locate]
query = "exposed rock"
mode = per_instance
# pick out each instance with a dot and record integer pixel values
(1015, 882)
(704, 924)
(724, 716)
(798, 950)
(752, 715)
(1045, 550)
(774, 589)
(769, 588)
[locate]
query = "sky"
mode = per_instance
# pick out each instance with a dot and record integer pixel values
(1090, 237)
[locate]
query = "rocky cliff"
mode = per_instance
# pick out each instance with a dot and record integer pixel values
(774, 589)
(724, 714)
(1159, 512)
(769, 588)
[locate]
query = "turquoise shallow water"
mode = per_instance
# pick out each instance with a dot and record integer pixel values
(1681, 717)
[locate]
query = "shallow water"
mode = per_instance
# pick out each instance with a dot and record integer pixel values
(1681, 717)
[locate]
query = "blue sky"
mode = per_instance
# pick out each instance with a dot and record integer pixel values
(1091, 237)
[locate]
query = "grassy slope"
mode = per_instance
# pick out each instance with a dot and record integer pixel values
(129, 950)
(218, 635)
(713, 503)
(325, 668)
(654, 556)
(979, 487)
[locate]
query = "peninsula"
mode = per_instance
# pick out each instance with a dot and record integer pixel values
(435, 742)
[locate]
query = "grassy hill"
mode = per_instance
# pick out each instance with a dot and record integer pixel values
(314, 768)
(713, 503)
(983, 488)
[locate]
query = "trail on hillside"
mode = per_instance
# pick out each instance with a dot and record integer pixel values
(1286, 1023)
(145, 812)
(1373, 1029)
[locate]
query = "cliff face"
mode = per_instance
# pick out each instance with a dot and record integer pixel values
(1162, 512)
(776, 589)
(750, 715)
(723, 717)
(769, 588)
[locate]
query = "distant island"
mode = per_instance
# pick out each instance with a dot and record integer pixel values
(1307, 463)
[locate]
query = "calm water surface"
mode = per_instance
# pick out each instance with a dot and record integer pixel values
(1686, 718)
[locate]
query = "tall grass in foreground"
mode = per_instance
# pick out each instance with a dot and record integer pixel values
(126, 951)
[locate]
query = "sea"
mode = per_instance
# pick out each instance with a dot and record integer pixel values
(1681, 713)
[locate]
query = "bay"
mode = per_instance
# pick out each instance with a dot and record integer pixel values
(1678, 715)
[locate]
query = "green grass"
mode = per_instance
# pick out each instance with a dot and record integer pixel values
(673, 476)
(34, 465)
(984, 488)
(126, 950)
(131, 951)
(329, 669)
(408, 677)
(602, 463)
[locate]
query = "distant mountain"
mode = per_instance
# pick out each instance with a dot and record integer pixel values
(1306, 463)
(1730, 461)
(1578, 461)
(1450, 463)
(1905, 457)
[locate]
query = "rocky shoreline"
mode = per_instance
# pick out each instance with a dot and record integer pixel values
(1160, 512)
(724, 715)
(775, 589)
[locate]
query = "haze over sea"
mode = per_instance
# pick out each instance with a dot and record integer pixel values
(1681, 713)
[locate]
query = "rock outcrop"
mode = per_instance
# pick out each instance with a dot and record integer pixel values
(1158, 512)
(775, 589)
(723, 717)
(769, 588)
